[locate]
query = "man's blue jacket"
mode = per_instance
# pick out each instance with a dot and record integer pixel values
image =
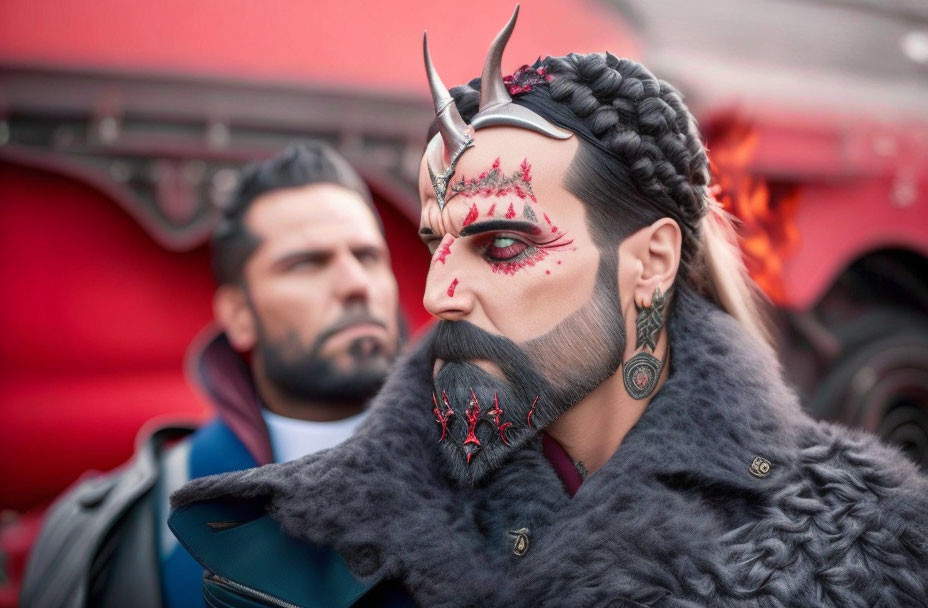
(106, 542)
(251, 561)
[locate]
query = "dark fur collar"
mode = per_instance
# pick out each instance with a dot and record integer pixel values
(381, 501)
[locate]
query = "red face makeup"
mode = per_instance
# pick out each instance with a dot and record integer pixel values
(493, 182)
(471, 215)
(547, 219)
(444, 251)
(504, 251)
(509, 246)
(512, 242)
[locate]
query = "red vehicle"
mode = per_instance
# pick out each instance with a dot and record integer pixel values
(121, 127)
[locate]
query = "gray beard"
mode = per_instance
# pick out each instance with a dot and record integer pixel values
(484, 418)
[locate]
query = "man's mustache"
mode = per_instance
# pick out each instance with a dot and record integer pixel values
(350, 319)
(462, 341)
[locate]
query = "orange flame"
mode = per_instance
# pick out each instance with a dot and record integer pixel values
(766, 224)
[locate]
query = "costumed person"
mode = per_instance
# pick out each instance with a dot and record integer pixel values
(308, 325)
(597, 419)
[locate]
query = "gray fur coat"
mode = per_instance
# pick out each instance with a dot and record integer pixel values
(676, 518)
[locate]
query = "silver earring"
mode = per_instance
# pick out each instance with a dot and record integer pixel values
(642, 371)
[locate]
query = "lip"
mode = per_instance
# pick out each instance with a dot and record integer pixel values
(359, 330)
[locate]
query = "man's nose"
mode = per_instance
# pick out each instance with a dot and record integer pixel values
(351, 279)
(447, 294)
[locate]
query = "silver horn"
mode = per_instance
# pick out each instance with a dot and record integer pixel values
(455, 133)
(496, 107)
(492, 90)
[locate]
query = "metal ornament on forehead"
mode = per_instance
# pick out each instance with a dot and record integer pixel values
(496, 109)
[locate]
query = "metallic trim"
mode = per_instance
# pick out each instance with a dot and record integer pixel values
(649, 322)
(646, 363)
(520, 541)
(513, 115)
(440, 181)
(760, 467)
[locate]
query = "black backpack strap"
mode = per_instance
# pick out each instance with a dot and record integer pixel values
(78, 553)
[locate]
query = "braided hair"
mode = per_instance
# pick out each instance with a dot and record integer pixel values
(641, 158)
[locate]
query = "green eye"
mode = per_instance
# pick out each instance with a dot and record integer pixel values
(503, 241)
(502, 248)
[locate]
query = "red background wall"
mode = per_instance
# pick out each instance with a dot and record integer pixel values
(95, 320)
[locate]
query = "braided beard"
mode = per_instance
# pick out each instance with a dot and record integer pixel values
(482, 418)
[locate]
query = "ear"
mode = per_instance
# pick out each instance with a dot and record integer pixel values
(658, 252)
(234, 315)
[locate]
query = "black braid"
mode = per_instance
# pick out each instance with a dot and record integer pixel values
(641, 157)
(641, 120)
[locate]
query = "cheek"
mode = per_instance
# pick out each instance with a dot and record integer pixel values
(384, 287)
(290, 302)
(530, 302)
(384, 302)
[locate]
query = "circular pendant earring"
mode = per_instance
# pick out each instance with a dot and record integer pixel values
(642, 371)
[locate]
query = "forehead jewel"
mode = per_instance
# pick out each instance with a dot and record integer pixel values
(496, 109)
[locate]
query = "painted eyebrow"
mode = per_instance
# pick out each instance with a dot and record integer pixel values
(490, 225)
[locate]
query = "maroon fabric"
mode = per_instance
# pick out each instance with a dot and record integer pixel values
(562, 463)
(224, 378)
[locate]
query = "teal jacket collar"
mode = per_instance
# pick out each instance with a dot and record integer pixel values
(239, 543)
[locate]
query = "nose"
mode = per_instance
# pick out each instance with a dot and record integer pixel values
(447, 295)
(351, 279)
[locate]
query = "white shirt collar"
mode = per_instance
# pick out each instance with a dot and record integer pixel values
(292, 438)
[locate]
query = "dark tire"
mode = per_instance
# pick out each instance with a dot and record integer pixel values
(880, 382)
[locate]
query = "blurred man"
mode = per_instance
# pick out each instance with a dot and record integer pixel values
(307, 308)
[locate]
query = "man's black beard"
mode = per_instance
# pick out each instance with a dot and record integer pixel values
(307, 375)
(542, 378)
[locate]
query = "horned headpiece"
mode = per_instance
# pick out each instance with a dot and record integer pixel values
(496, 108)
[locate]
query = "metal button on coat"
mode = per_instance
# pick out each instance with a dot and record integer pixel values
(519, 542)
(760, 467)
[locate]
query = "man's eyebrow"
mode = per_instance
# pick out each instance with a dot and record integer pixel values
(317, 255)
(426, 231)
(490, 225)
(368, 248)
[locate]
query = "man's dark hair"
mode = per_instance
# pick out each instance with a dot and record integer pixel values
(299, 165)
